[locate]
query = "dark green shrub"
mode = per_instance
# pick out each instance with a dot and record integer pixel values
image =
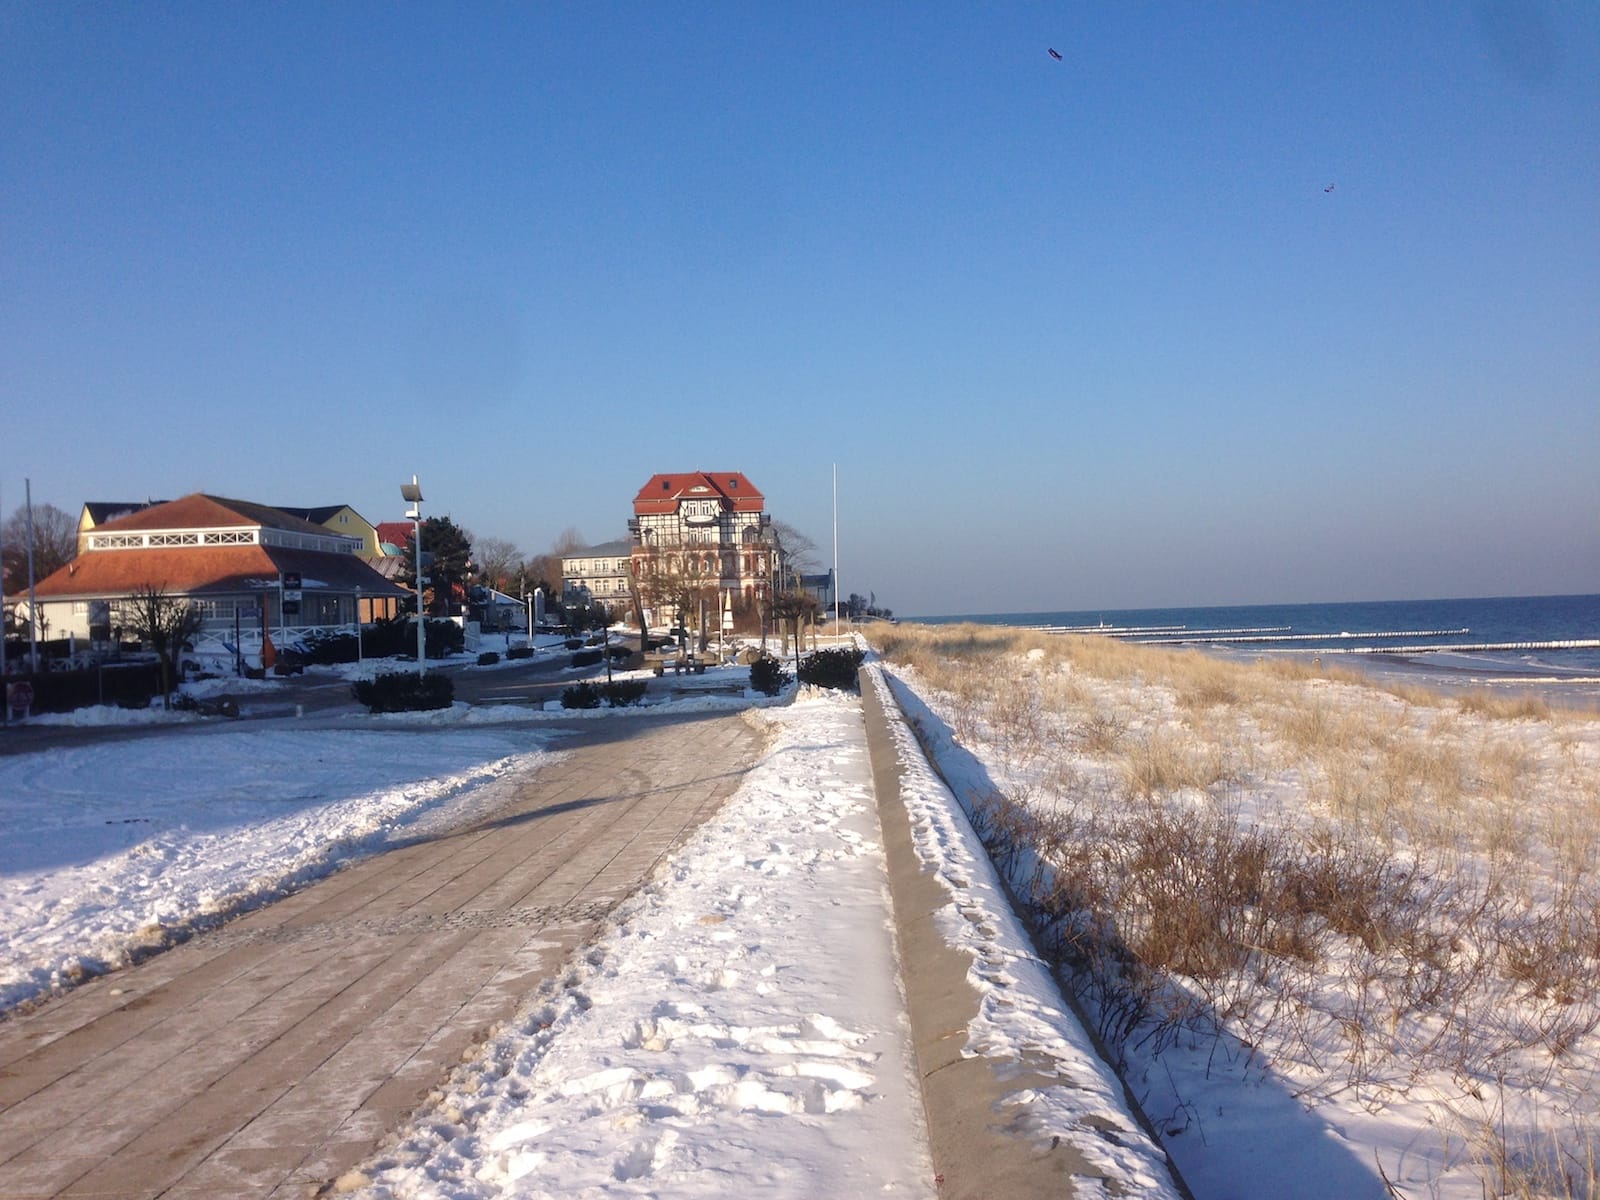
(397, 638)
(833, 668)
(768, 676)
(128, 685)
(581, 695)
(620, 693)
(573, 643)
(401, 691)
(323, 648)
(520, 652)
(442, 638)
(388, 637)
(488, 658)
(619, 651)
(585, 658)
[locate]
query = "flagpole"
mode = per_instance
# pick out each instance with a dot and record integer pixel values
(836, 550)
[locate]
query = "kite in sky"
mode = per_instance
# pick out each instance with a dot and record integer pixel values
(1055, 54)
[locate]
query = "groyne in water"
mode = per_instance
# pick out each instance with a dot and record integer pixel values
(1248, 636)
(1475, 648)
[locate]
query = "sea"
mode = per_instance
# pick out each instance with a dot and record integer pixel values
(1548, 645)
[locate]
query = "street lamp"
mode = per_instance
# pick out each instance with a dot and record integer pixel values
(411, 493)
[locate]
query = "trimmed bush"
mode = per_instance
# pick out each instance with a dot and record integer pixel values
(401, 691)
(581, 695)
(488, 658)
(620, 693)
(573, 643)
(127, 685)
(321, 648)
(833, 668)
(520, 652)
(768, 676)
(619, 651)
(585, 658)
(397, 638)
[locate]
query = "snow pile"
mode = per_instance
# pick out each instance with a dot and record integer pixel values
(127, 844)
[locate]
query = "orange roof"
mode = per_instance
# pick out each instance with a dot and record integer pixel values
(663, 492)
(209, 570)
(200, 511)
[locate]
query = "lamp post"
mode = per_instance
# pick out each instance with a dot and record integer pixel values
(411, 493)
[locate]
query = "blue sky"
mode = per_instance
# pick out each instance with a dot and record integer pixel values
(1077, 334)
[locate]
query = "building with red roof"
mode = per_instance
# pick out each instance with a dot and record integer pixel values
(240, 562)
(707, 531)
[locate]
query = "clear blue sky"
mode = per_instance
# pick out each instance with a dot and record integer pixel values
(1080, 333)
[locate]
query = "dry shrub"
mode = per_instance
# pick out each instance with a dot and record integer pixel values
(1163, 763)
(1412, 915)
(1504, 708)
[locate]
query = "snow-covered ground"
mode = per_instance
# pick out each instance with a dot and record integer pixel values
(738, 1029)
(1448, 1111)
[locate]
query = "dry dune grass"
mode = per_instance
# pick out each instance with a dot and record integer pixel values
(1319, 863)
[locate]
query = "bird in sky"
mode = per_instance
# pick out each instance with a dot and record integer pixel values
(1329, 188)
(1055, 54)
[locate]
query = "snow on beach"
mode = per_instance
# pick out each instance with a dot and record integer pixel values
(1492, 818)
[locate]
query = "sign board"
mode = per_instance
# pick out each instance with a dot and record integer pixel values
(248, 611)
(291, 595)
(291, 608)
(291, 580)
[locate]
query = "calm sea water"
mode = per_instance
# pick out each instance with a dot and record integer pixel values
(1326, 629)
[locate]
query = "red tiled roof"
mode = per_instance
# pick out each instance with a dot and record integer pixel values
(396, 533)
(206, 570)
(200, 511)
(663, 492)
(209, 570)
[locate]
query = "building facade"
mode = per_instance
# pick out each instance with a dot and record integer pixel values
(596, 574)
(244, 565)
(705, 532)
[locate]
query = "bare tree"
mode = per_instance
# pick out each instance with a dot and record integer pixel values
(55, 544)
(542, 571)
(796, 608)
(797, 554)
(498, 561)
(668, 587)
(570, 539)
(165, 624)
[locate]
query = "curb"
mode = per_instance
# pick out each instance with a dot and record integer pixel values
(975, 1112)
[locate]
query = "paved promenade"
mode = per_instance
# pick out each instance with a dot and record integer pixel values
(265, 1058)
